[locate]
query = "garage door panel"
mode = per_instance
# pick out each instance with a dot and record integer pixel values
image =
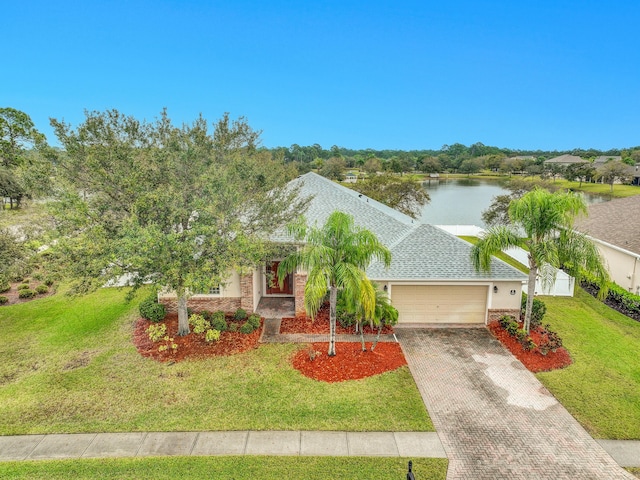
(440, 303)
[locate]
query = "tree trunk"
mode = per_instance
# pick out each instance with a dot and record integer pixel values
(333, 300)
(364, 347)
(531, 290)
(377, 337)
(183, 315)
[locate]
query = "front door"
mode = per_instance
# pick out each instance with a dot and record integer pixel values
(273, 288)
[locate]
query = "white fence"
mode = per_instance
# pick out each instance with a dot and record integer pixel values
(562, 286)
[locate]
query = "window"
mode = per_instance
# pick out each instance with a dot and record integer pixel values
(214, 290)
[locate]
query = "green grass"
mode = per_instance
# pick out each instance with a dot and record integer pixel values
(635, 471)
(68, 365)
(255, 468)
(619, 191)
(601, 388)
(502, 256)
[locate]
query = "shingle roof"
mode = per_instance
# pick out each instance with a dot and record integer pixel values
(606, 158)
(565, 160)
(419, 251)
(614, 222)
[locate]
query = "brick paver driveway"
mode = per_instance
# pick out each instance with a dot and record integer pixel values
(494, 418)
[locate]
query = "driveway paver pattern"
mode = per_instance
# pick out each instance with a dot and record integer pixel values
(494, 418)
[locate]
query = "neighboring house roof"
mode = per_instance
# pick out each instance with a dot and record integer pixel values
(419, 251)
(565, 160)
(605, 158)
(614, 222)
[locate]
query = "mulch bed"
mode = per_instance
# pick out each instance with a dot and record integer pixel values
(610, 301)
(14, 299)
(349, 363)
(320, 325)
(192, 346)
(533, 360)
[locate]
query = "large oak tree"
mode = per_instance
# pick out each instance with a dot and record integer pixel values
(181, 207)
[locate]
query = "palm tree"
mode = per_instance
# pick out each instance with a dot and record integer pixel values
(335, 258)
(383, 314)
(542, 223)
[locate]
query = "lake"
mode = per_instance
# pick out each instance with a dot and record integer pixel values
(461, 201)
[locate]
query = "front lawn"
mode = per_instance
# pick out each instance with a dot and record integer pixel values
(601, 388)
(68, 365)
(255, 468)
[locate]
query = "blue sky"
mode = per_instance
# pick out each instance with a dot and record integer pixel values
(358, 74)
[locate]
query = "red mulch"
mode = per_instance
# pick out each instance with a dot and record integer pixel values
(349, 363)
(192, 345)
(532, 359)
(320, 325)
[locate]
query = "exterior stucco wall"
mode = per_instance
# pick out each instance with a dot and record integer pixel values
(504, 299)
(624, 268)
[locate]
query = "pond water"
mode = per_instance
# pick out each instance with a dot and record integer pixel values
(461, 201)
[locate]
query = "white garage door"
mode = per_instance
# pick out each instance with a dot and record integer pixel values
(440, 303)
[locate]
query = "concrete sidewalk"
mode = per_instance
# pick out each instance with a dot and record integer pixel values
(148, 444)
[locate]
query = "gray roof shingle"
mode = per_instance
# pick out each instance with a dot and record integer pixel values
(614, 222)
(419, 251)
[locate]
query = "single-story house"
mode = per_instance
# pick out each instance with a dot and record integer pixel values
(431, 278)
(602, 159)
(564, 160)
(612, 226)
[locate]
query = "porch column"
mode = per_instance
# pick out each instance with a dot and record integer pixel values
(246, 293)
(299, 281)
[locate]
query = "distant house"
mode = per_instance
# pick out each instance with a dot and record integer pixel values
(614, 228)
(350, 177)
(564, 160)
(431, 278)
(602, 159)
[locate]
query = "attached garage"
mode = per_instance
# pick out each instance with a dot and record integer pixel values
(440, 303)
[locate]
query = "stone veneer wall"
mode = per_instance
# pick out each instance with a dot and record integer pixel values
(494, 315)
(299, 281)
(246, 293)
(210, 304)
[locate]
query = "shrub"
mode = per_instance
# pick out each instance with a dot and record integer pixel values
(521, 335)
(254, 320)
(199, 324)
(550, 343)
(246, 328)
(151, 310)
(42, 289)
(505, 320)
(3, 300)
(212, 335)
(240, 314)
(26, 293)
(48, 281)
(345, 318)
(168, 344)
(5, 287)
(219, 322)
(218, 315)
(627, 300)
(157, 332)
(529, 344)
(233, 327)
(538, 310)
(23, 286)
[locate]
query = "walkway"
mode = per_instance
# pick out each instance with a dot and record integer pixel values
(148, 444)
(494, 418)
